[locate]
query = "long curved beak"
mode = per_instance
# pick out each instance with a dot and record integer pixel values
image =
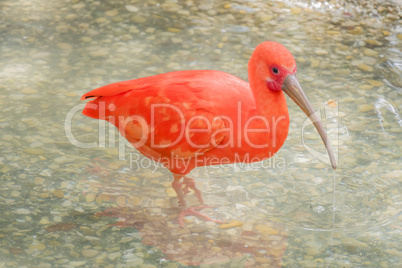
(292, 87)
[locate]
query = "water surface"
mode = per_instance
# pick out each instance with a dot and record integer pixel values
(64, 205)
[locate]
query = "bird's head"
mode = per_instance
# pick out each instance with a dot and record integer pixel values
(273, 65)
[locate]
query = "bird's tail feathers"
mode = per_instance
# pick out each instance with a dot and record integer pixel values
(98, 108)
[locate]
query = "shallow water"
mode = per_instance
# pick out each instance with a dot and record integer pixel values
(60, 202)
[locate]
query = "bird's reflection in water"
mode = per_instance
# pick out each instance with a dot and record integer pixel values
(249, 242)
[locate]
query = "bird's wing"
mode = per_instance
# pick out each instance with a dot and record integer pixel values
(173, 114)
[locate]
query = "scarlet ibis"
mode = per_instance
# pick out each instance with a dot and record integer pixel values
(188, 119)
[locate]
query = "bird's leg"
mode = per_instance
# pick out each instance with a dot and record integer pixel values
(177, 187)
(182, 191)
(190, 183)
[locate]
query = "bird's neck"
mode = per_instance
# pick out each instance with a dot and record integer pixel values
(272, 106)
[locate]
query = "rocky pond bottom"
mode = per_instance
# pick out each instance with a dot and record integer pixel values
(72, 194)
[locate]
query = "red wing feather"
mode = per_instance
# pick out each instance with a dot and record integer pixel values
(117, 88)
(178, 98)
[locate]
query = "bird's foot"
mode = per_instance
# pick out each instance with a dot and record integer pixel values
(193, 211)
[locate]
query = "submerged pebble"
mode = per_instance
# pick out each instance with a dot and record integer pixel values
(89, 253)
(23, 211)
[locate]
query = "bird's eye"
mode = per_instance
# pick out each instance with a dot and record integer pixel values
(275, 70)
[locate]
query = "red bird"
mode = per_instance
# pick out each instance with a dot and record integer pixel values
(187, 119)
